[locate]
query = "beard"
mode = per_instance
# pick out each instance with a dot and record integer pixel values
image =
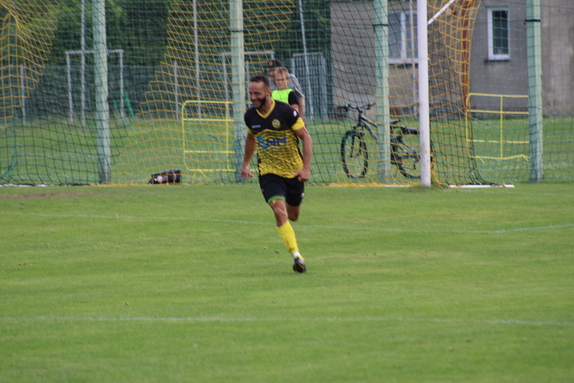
(259, 102)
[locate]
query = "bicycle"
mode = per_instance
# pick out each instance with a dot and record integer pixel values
(355, 154)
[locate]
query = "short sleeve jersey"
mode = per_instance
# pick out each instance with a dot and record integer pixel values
(277, 143)
(285, 95)
(293, 84)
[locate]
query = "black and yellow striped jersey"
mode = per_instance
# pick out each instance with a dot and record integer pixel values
(277, 143)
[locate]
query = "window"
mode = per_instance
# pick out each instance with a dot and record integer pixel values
(402, 37)
(498, 41)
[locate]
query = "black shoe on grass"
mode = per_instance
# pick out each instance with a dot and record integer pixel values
(299, 265)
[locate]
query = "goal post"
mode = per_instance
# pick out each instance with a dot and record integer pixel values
(102, 94)
(382, 89)
(423, 93)
(83, 89)
(534, 43)
(238, 78)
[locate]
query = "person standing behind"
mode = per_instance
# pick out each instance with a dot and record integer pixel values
(274, 129)
(272, 66)
(283, 92)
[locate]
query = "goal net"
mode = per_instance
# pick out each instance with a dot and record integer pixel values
(175, 101)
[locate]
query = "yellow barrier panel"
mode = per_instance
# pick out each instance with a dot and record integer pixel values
(501, 112)
(210, 150)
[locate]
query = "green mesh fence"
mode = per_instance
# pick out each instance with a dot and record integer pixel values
(170, 80)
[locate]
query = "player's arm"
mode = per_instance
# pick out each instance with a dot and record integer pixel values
(250, 146)
(305, 173)
(302, 107)
(296, 86)
(294, 101)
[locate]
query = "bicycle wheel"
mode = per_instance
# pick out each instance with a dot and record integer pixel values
(354, 155)
(406, 159)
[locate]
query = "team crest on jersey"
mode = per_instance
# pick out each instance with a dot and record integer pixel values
(275, 123)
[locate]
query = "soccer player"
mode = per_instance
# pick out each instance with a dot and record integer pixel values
(274, 129)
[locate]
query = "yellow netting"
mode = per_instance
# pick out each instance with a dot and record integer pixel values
(26, 35)
(186, 119)
(450, 38)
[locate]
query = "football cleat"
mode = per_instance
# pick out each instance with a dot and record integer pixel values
(299, 265)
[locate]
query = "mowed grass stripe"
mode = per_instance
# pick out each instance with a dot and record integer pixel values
(339, 227)
(275, 319)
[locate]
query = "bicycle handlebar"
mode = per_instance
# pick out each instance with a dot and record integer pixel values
(362, 108)
(359, 108)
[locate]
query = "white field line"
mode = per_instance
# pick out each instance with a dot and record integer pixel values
(547, 194)
(283, 319)
(266, 223)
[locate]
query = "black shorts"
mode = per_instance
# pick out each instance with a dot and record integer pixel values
(291, 190)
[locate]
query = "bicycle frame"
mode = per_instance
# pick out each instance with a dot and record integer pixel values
(403, 156)
(368, 125)
(372, 127)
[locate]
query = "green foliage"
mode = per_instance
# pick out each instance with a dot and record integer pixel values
(192, 283)
(133, 25)
(317, 24)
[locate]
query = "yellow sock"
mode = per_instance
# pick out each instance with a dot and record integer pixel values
(287, 235)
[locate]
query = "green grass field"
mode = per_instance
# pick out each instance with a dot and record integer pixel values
(192, 284)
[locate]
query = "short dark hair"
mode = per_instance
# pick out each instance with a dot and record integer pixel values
(274, 63)
(260, 78)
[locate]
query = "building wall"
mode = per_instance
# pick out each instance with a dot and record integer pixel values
(353, 58)
(558, 57)
(508, 77)
(511, 77)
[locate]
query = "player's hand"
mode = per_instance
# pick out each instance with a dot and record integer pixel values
(246, 172)
(302, 175)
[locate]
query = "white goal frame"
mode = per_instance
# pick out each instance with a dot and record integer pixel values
(83, 88)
